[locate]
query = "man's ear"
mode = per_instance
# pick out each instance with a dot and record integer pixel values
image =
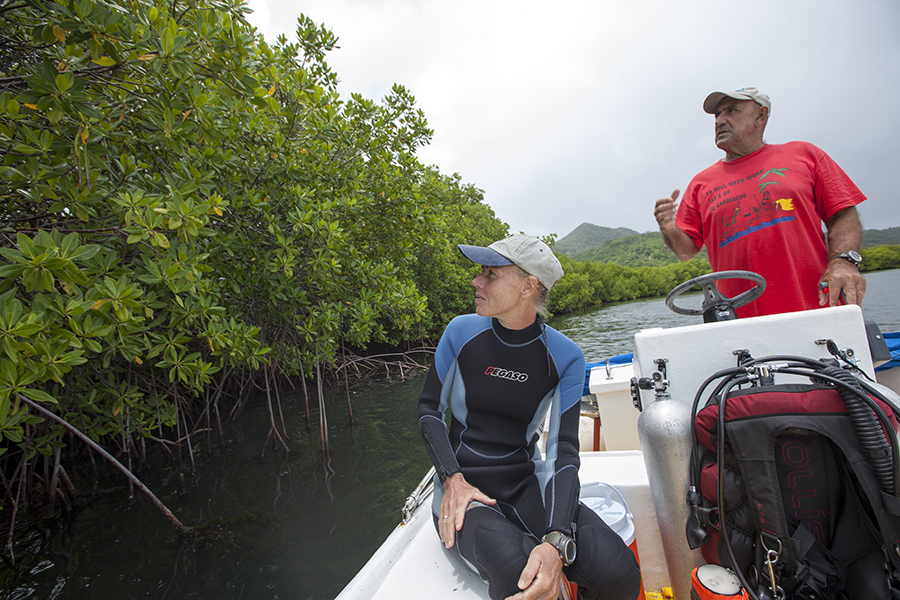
(763, 114)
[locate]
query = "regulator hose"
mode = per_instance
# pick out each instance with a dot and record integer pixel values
(868, 427)
(700, 518)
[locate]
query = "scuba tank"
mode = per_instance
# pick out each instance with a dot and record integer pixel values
(664, 428)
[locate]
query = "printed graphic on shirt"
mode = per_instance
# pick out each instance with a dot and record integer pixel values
(741, 211)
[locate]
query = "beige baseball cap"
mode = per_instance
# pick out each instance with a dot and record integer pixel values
(745, 93)
(531, 254)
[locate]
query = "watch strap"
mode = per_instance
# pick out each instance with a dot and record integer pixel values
(850, 256)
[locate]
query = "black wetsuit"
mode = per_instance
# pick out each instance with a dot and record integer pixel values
(498, 385)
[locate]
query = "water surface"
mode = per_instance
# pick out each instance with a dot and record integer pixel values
(273, 525)
(608, 330)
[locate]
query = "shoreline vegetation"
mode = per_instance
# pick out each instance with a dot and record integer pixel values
(192, 216)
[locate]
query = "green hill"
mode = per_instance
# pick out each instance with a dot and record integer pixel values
(878, 237)
(639, 250)
(587, 236)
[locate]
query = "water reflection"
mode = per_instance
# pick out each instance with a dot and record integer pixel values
(266, 525)
(880, 302)
(272, 526)
(609, 330)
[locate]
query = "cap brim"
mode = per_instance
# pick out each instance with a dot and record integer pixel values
(486, 257)
(712, 102)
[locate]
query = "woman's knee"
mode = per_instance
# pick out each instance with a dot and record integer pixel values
(499, 550)
(605, 567)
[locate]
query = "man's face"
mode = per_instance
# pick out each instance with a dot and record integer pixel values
(739, 125)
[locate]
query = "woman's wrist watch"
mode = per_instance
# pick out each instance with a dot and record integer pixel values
(564, 544)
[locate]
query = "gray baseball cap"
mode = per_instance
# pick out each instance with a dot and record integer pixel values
(745, 93)
(531, 254)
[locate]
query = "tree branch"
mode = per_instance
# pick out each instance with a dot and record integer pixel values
(43, 411)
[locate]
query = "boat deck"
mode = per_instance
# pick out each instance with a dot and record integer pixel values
(413, 562)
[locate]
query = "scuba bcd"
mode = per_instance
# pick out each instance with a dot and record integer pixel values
(793, 485)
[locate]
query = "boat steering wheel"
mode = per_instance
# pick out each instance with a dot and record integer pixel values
(717, 307)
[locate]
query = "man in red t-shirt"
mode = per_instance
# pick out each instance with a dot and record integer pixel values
(761, 209)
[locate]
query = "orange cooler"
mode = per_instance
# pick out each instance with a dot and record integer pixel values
(614, 512)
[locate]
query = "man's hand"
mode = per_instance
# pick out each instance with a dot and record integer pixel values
(457, 496)
(540, 577)
(842, 276)
(677, 241)
(845, 233)
(665, 211)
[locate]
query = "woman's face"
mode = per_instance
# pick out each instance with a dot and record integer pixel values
(499, 292)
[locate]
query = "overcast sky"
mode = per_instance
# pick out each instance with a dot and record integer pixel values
(589, 110)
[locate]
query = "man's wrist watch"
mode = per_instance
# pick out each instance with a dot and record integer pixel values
(850, 255)
(563, 544)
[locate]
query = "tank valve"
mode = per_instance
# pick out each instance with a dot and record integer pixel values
(656, 382)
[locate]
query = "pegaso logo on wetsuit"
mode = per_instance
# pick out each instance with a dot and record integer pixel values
(506, 374)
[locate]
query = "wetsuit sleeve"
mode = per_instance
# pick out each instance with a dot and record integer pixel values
(562, 491)
(434, 430)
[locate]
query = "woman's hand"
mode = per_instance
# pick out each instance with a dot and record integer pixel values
(457, 496)
(540, 577)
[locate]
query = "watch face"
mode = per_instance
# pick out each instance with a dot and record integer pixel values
(569, 551)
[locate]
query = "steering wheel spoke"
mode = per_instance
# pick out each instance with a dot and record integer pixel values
(711, 293)
(713, 299)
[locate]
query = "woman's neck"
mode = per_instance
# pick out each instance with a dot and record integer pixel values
(521, 320)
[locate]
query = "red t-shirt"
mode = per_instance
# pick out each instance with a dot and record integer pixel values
(763, 213)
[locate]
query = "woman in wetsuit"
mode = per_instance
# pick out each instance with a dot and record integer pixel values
(508, 512)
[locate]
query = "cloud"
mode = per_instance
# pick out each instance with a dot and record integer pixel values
(588, 111)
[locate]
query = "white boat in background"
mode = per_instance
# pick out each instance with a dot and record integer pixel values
(412, 563)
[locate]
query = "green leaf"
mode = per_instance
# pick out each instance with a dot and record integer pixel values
(39, 396)
(167, 42)
(26, 246)
(23, 149)
(11, 271)
(64, 81)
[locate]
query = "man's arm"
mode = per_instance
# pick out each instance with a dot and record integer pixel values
(845, 233)
(678, 241)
